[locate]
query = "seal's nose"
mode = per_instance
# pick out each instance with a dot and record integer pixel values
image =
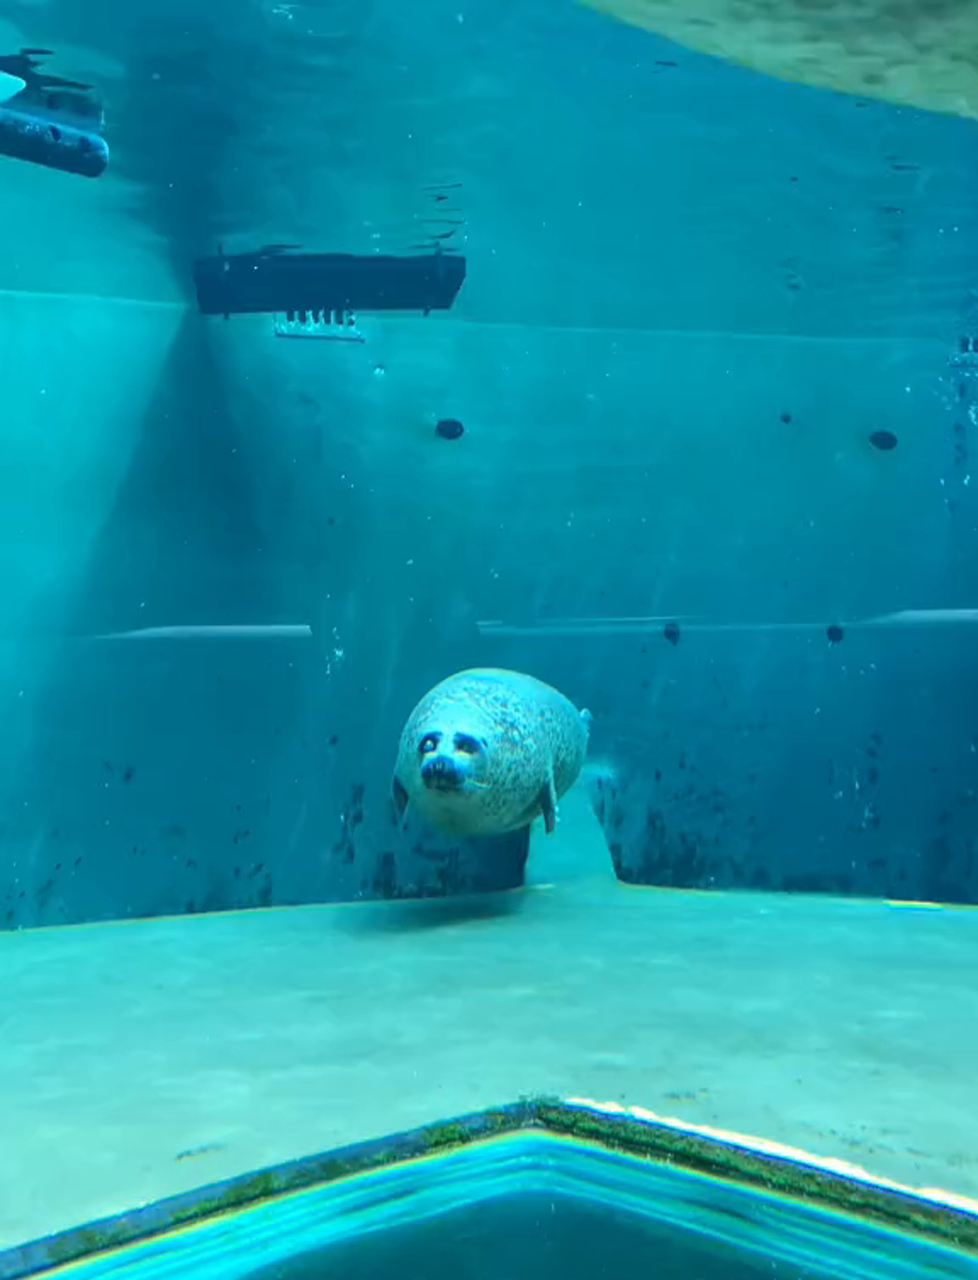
(440, 772)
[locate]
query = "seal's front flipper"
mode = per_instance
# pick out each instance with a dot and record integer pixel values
(548, 806)
(399, 799)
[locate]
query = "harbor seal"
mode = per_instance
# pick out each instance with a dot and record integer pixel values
(486, 751)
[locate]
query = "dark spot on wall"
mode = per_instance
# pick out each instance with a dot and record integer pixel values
(384, 882)
(883, 440)
(834, 633)
(449, 429)
(670, 632)
(264, 895)
(351, 817)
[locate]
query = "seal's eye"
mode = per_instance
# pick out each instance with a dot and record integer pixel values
(428, 744)
(468, 746)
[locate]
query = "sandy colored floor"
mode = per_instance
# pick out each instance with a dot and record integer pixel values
(916, 55)
(146, 1058)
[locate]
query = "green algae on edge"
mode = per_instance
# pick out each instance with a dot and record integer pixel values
(725, 1159)
(646, 1139)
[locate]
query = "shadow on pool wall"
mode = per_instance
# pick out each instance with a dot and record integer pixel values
(669, 412)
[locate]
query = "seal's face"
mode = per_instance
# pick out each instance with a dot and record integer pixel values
(451, 760)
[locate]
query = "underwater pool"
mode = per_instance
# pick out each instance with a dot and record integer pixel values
(629, 349)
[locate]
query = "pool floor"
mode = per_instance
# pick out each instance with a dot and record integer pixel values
(144, 1059)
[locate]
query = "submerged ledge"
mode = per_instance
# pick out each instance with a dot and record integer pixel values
(731, 1160)
(144, 1061)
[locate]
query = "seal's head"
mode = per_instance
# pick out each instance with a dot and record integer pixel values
(444, 765)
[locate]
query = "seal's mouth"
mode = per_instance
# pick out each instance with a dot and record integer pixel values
(440, 773)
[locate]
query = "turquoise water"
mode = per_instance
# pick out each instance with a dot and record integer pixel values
(693, 443)
(694, 296)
